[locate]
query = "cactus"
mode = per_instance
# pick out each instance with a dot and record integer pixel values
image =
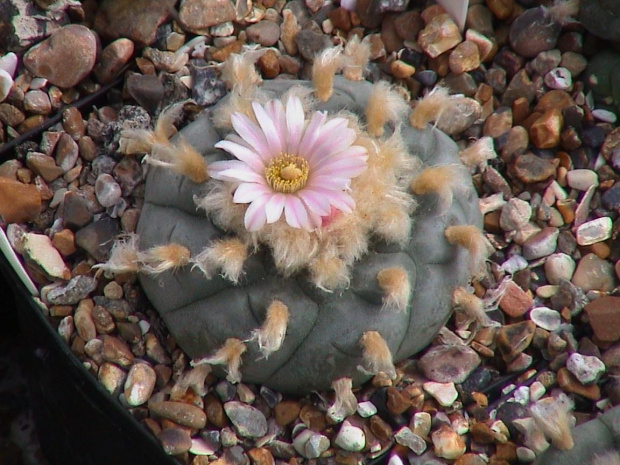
(318, 256)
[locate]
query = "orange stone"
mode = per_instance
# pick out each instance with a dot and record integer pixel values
(604, 316)
(19, 203)
(515, 301)
(545, 131)
(568, 382)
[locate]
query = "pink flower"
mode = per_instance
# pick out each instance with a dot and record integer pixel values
(287, 165)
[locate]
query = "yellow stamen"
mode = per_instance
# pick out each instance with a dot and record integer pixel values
(287, 173)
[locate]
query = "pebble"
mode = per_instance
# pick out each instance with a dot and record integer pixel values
(605, 115)
(447, 443)
(202, 447)
(310, 444)
(19, 202)
(546, 61)
(39, 249)
(515, 338)
(366, 409)
(175, 441)
(594, 273)
(113, 57)
(43, 165)
(465, 57)
(98, 237)
(350, 437)
(444, 393)
(533, 32)
(594, 231)
(515, 214)
(421, 424)
(8, 63)
(180, 412)
(6, 83)
(264, 32)
(311, 43)
(546, 318)
(582, 179)
(519, 87)
(67, 152)
(604, 317)
(84, 324)
(64, 58)
(197, 16)
(569, 383)
(586, 368)
(464, 111)
(405, 437)
(559, 79)
(107, 190)
(545, 131)
(248, 421)
(515, 301)
(11, 115)
(76, 289)
(514, 264)
(36, 101)
(449, 364)
(558, 267)
(117, 351)
(401, 70)
(112, 377)
(576, 63)
(440, 35)
(525, 455)
(541, 244)
(139, 384)
(170, 62)
(121, 19)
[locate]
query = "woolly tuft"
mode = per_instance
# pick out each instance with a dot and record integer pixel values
(228, 355)
(329, 273)
(239, 71)
(123, 256)
(194, 379)
(324, 68)
(376, 355)
(357, 56)
(552, 417)
(184, 160)
(472, 306)
(270, 336)
(163, 258)
(471, 238)
(430, 108)
(394, 282)
(478, 152)
(138, 141)
(226, 255)
(385, 105)
(443, 181)
(345, 403)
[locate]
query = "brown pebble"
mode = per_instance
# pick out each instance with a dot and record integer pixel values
(340, 19)
(198, 15)
(286, 412)
(408, 25)
(269, 64)
(313, 418)
(515, 301)
(501, 9)
(175, 441)
(179, 412)
(471, 459)
(507, 452)
(103, 320)
(401, 70)
(396, 402)
(465, 57)
(222, 54)
(520, 110)
(391, 40)
(568, 382)
(440, 35)
(604, 317)
(545, 131)
(113, 57)
(19, 203)
(116, 351)
(530, 169)
(380, 428)
(84, 323)
(498, 123)
(30, 123)
(215, 412)
(261, 456)
(554, 99)
(515, 338)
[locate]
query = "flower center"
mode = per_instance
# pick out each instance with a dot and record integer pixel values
(287, 173)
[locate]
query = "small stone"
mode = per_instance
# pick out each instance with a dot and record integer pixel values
(604, 317)
(605, 115)
(520, 86)
(421, 424)
(569, 383)
(117, 351)
(64, 241)
(113, 57)
(545, 131)
(340, 19)
(179, 412)
(84, 323)
(447, 443)
(261, 456)
(43, 165)
(575, 63)
(401, 70)
(107, 190)
(464, 111)
(594, 231)
(541, 244)
(408, 25)
(581, 179)
(586, 368)
(486, 46)
(198, 15)
(19, 203)
(525, 455)
(449, 364)
(286, 412)
(76, 289)
(546, 318)
(201, 447)
(515, 214)
(139, 384)
(440, 35)
(36, 101)
(248, 421)
(366, 409)
(444, 393)
(310, 444)
(498, 122)
(269, 64)
(175, 441)
(64, 58)
(501, 9)
(310, 43)
(350, 438)
(559, 78)
(515, 301)
(288, 32)
(39, 249)
(396, 402)
(170, 62)
(264, 32)
(67, 152)
(593, 273)
(11, 115)
(465, 57)
(112, 377)
(147, 90)
(6, 83)
(98, 237)
(546, 61)
(222, 30)
(515, 338)
(406, 437)
(533, 32)
(8, 63)
(559, 267)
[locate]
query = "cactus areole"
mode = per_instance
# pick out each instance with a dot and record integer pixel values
(311, 257)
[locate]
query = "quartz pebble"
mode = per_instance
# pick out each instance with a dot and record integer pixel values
(405, 437)
(515, 214)
(107, 190)
(310, 444)
(594, 231)
(559, 79)
(594, 273)
(541, 244)
(558, 267)
(350, 437)
(546, 318)
(6, 82)
(39, 249)
(440, 35)
(444, 393)
(582, 179)
(248, 421)
(139, 384)
(447, 443)
(112, 377)
(449, 364)
(366, 409)
(586, 368)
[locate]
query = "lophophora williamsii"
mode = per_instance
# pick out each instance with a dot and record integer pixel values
(305, 234)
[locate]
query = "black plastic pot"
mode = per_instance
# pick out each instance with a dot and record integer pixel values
(78, 422)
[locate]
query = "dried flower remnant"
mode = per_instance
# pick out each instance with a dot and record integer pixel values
(345, 403)
(552, 417)
(226, 256)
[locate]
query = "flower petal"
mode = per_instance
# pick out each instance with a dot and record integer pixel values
(311, 133)
(333, 143)
(296, 214)
(256, 215)
(295, 120)
(316, 203)
(246, 155)
(235, 171)
(343, 168)
(269, 129)
(275, 109)
(249, 191)
(251, 133)
(328, 182)
(274, 207)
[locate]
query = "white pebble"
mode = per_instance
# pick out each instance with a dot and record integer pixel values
(350, 438)
(8, 63)
(586, 368)
(537, 390)
(223, 30)
(515, 214)
(422, 423)
(594, 231)
(522, 395)
(558, 267)
(38, 83)
(546, 318)
(6, 82)
(444, 393)
(366, 409)
(605, 115)
(559, 78)
(406, 437)
(582, 179)
(514, 264)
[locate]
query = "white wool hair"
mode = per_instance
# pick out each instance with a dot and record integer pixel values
(345, 403)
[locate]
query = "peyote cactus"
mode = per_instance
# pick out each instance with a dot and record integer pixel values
(334, 236)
